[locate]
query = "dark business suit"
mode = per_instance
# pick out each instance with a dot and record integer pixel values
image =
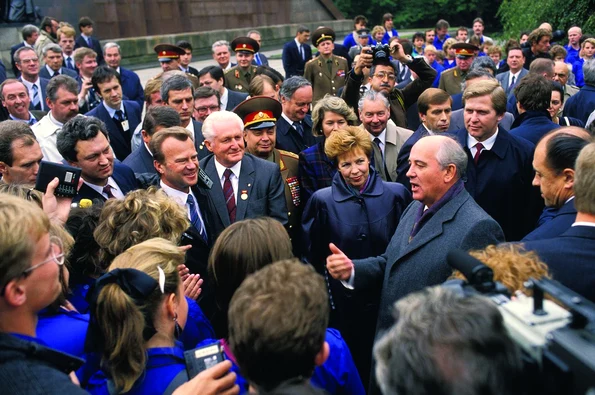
(403, 158)
(293, 63)
(501, 183)
(260, 180)
(199, 140)
(42, 93)
(558, 224)
(288, 139)
(13, 49)
(264, 61)
(44, 73)
(91, 98)
(410, 265)
(316, 170)
(95, 46)
(504, 79)
(570, 258)
(123, 176)
(533, 125)
(131, 86)
(119, 139)
(140, 160)
(234, 98)
(581, 104)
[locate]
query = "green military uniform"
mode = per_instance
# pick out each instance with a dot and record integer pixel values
(237, 79)
(288, 164)
(450, 81)
(325, 81)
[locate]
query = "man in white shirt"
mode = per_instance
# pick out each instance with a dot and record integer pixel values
(515, 61)
(27, 62)
(222, 54)
(66, 36)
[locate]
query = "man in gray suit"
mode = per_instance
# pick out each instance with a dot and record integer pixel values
(241, 185)
(442, 217)
(515, 62)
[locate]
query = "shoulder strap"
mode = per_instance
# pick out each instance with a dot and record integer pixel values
(180, 379)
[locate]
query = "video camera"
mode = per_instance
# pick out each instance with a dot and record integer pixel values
(558, 343)
(380, 53)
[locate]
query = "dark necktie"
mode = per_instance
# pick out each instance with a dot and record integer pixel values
(36, 100)
(195, 218)
(378, 142)
(119, 116)
(230, 200)
(107, 189)
(299, 128)
(478, 147)
(89, 42)
(69, 64)
(55, 74)
(32, 121)
(329, 65)
(302, 52)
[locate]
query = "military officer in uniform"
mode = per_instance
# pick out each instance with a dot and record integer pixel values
(326, 72)
(260, 115)
(169, 56)
(451, 79)
(238, 77)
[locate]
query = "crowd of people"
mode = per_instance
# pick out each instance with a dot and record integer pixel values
(300, 222)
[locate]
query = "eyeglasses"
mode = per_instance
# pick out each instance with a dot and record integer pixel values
(382, 75)
(57, 256)
(26, 61)
(205, 109)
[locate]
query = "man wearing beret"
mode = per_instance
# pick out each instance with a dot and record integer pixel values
(169, 56)
(451, 79)
(238, 78)
(326, 72)
(260, 115)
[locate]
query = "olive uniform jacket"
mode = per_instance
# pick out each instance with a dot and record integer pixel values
(450, 81)
(237, 79)
(325, 81)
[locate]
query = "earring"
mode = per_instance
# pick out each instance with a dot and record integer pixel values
(177, 328)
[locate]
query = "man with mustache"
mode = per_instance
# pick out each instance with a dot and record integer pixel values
(84, 143)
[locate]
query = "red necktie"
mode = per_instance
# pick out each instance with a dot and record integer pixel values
(230, 200)
(478, 147)
(108, 191)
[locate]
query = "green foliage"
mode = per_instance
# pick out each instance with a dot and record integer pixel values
(519, 15)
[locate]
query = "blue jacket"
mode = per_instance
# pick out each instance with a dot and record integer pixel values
(577, 70)
(559, 223)
(78, 294)
(288, 139)
(581, 104)
(570, 258)
(131, 87)
(198, 327)
(532, 125)
(387, 38)
(315, 170)
(63, 330)
(501, 183)
(28, 366)
(403, 158)
(440, 43)
(140, 160)
(123, 176)
(163, 365)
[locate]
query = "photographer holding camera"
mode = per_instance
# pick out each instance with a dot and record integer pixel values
(383, 74)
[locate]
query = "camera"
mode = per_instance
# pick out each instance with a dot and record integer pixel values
(558, 343)
(380, 53)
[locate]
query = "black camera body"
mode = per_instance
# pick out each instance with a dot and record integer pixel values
(380, 53)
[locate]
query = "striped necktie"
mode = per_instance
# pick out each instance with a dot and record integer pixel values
(36, 100)
(230, 200)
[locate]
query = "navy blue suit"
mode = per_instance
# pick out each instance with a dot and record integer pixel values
(293, 63)
(199, 140)
(288, 139)
(570, 258)
(581, 104)
(140, 160)
(532, 125)
(13, 49)
(234, 98)
(43, 73)
(119, 139)
(501, 183)
(561, 220)
(403, 158)
(131, 86)
(44, 85)
(124, 177)
(457, 101)
(95, 46)
(315, 170)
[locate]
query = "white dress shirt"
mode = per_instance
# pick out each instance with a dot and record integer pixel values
(116, 191)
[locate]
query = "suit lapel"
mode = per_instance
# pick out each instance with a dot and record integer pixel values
(391, 153)
(216, 192)
(245, 185)
(115, 137)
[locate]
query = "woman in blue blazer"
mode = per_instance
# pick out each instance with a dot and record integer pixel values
(359, 214)
(315, 169)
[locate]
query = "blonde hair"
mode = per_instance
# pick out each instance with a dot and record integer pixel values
(345, 140)
(512, 266)
(81, 53)
(257, 84)
(122, 319)
(490, 88)
(376, 29)
(141, 215)
(66, 30)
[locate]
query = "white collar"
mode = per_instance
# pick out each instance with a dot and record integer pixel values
(516, 74)
(179, 196)
(54, 120)
(289, 121)
(381, 137)
(29, 85)
(111, 111)
(428, 130)
(235, 169)
(51, 71)
(99, 188)
(297, 43)
(190, 127)
(584, 223)
(487, 144)
(224, 98)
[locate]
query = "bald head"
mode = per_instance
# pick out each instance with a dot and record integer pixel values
(561, 72)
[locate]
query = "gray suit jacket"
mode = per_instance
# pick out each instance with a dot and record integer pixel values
(457, 121)
(395, 138)
(504, 78)
(408, 266)
(260, 182)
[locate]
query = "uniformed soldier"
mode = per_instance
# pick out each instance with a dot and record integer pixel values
(326, 72)
(451, 79)
(260, 115)
(238, 77)
(169, 56)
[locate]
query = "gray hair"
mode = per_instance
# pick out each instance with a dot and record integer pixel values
(65, 82)
(253, 32)
(485, 63)
(51, 48)
(474, 74)
(220, 43)
(291, 85)
(372, 95)
(219, 117)
(17, 54)
(451, 152)
(28, 31)
(464, 347)
(111, 44)
(175, 83)
(589, 71)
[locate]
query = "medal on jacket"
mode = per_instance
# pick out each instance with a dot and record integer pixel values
(294, 188)
(244, 194)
